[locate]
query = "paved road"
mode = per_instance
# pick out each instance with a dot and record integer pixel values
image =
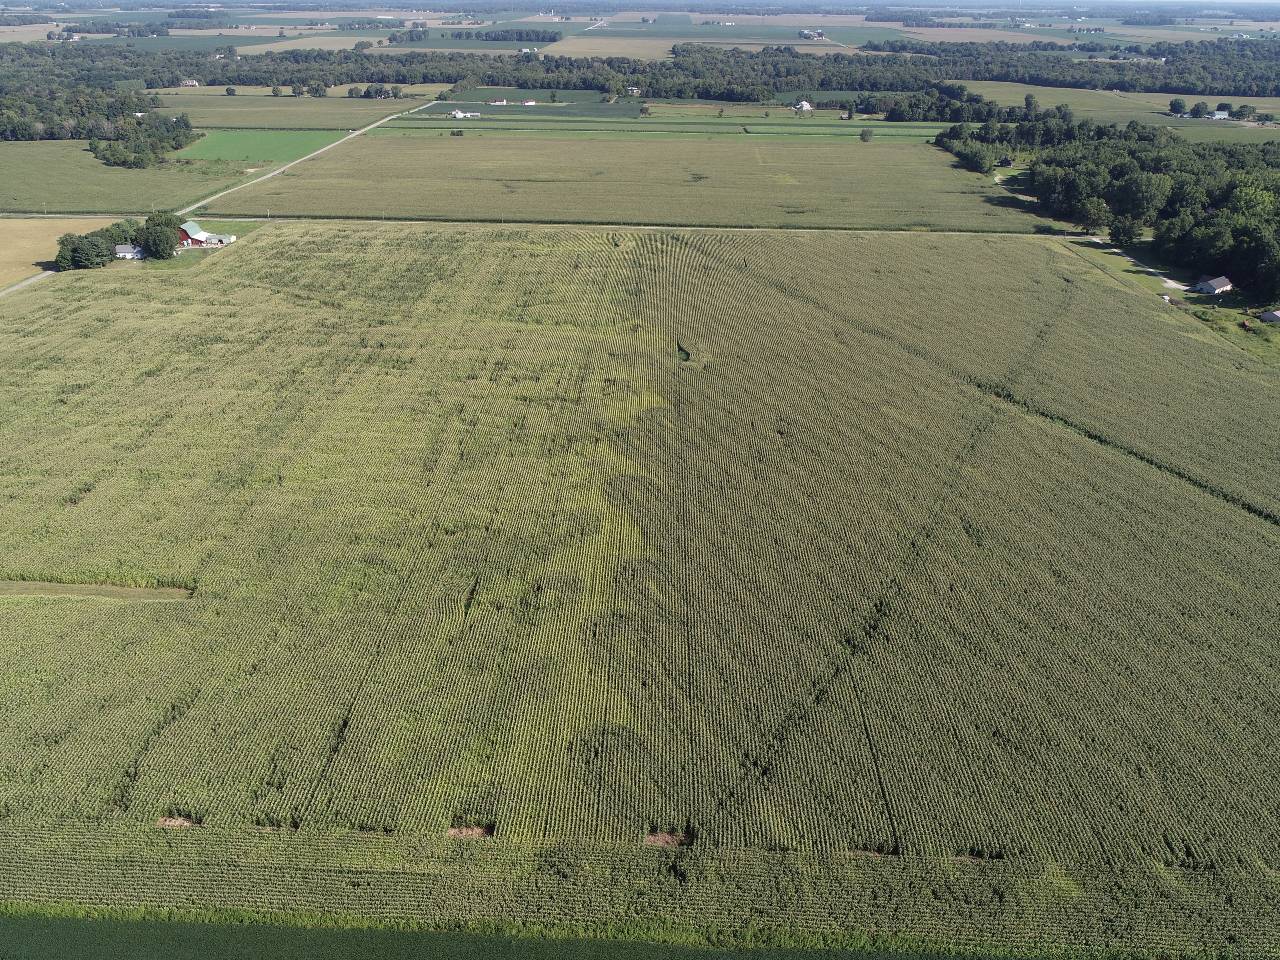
(293, 163)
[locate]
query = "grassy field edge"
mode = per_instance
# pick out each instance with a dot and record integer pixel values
(65, 930)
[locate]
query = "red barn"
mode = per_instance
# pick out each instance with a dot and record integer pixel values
(190, 234)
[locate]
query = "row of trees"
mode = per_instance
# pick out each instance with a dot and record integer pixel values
(1223, 68)
(158, 238)
(139, 142)
(1213, 207)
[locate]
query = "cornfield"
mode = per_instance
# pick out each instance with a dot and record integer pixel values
(895, 606)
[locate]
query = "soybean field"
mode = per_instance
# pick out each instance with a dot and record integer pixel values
(639, 583)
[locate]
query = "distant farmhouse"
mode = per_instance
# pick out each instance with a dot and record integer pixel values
(633, 91)
(189, 83)
(813, 35)
(1271, 316)
(190, 234)
(804, 106)
(464, 115)
(1221, 115)
(129, 251)
(1214, 286)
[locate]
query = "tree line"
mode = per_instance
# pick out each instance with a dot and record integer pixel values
(1202, 68)
(1214, 207)
(158, 238)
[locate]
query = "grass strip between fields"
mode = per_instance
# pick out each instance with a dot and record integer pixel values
(108, 591)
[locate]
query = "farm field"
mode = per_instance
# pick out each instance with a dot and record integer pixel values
(72, 180)
(485, 528)
(25, 244)
(1105, 106)
(735, 181)
(264, 147)
(254, 107)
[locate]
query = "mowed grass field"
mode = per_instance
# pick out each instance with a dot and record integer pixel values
(255, 107)
(1105, 106)
(258, 146)
(25, 245)
(911, 608)
(733, 181)
(71, 180)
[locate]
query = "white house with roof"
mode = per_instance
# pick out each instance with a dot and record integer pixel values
(464, 115)
(1213, 286)
(129, 251)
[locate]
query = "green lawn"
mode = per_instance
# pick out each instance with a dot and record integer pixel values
(257, 147)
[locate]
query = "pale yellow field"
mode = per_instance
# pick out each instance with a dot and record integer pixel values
(306, 42)
(28, 32)
(28, 242)
(595, 44)
(249, 30)
(975, 35)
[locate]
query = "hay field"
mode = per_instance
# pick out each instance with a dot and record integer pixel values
(254, 107)
(915, 605)
(597, 44)
(72, 180)
(739, 181)
(26, 244)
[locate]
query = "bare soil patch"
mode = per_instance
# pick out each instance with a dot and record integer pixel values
(471, 832)
(666, 838)
(175, 823)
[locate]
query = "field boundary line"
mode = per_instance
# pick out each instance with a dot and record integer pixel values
(623, 225)
(293, 163)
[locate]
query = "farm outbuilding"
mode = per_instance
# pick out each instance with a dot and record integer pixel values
(191, 234)
(1271, 316)
(129, 251)
(1214, 285)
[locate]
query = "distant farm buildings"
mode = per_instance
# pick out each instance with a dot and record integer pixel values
(813, 35)
(1213, 286)
(129, 251)
(633, 91)
(1221, 115)
(804, 106)
(464, 115)
(529, 103)
(189, 83)
(1271, 316)
(190, 234)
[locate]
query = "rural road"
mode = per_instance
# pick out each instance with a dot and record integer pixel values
(27, 282)
(266, 176)
(293, 163)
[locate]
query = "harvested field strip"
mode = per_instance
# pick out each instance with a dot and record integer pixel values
(106, 591)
